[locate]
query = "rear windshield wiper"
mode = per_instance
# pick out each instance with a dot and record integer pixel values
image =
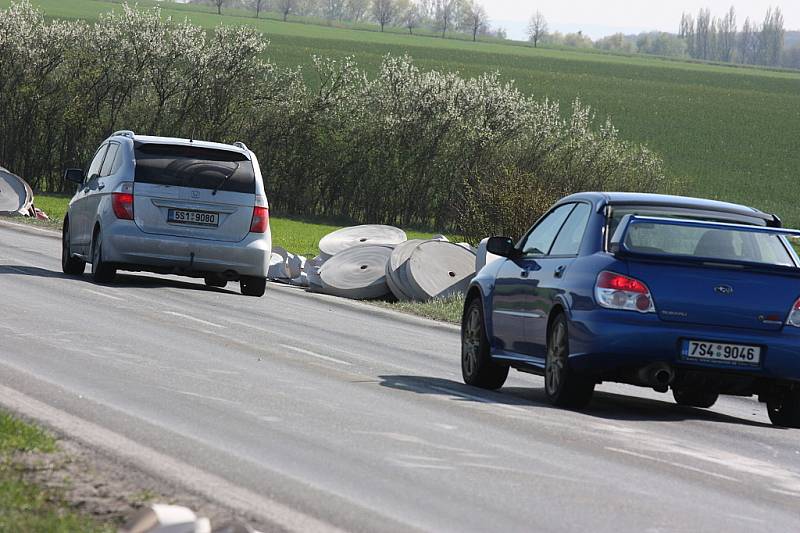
(226, 178)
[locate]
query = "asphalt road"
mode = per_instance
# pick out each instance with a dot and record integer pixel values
(358, 420)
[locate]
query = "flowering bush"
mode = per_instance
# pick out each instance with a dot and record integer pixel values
(408, 147)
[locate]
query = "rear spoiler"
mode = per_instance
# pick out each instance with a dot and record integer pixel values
(618, 247)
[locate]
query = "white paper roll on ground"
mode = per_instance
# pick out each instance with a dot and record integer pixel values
(399, 256)
(483, 257)
(15, 194)
(342, 239)
(439, 269)
(358, 273)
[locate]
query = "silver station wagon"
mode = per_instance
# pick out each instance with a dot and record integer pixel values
(170, 206)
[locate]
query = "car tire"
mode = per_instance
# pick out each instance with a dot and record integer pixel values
(477, 366)
(215, 282)
(70, 265)
(694, 398)
(252, 286)
(102, 272)
(563, 387)
(784, 410)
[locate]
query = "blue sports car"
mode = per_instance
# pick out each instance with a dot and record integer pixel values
(698, 296)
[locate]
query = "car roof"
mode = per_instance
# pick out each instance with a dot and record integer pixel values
(601, 199)
(152, 139)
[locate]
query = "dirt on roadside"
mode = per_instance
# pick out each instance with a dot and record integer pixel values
(107, 490)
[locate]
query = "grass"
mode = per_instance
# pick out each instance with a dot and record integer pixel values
(728, 132)
(25, 506)
(18, 436)
(442, 309)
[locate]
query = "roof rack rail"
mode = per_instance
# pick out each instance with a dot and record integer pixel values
(123, 133)
(241, 145)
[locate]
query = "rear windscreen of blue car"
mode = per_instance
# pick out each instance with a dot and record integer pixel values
(193, 166)
(693, 241)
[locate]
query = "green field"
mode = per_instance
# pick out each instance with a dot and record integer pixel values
(729, 133)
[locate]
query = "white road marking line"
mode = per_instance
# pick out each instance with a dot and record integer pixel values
(203, 396)
(404, 464)
(200, 321)
(314, 354)
(478, 398)
(672, 463)
(403, 456)
(98, 293)
(285, 336)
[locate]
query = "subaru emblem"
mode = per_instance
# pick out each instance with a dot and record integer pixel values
(724, 289)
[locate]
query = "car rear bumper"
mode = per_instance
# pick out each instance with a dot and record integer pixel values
(126, 245)
(605, 340)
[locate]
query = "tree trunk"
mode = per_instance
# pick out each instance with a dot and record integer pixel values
(474, 35)
(285, 15)
(382, 24)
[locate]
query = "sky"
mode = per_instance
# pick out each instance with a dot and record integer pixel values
(598, 18)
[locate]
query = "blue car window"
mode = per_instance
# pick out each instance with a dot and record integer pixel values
(569, 238)
(541, 238)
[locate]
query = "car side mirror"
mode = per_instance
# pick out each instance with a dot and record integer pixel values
(502, 246)
(74, 175)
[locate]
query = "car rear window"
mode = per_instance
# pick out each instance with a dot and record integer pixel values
(618, 212)
(709, 243)
(195, 167)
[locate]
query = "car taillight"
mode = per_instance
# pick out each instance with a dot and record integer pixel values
(122, 202)
(260, 221)
(794, 315)
(615, 291)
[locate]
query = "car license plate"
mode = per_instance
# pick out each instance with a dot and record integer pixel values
(720, 352)
(199, 218)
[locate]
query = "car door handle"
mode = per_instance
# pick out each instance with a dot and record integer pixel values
(101, 186)
(524, 273)
(560, 271)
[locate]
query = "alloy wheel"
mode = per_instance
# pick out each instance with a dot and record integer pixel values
(556, 359)
(472, 341)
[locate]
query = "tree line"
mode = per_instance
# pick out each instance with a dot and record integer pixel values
(719, 39)
(704, 37)
(434, 16)
(405, 146)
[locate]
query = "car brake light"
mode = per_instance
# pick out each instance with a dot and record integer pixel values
(615, 291)
(122, 202)
(794, 315)
(260, 221)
